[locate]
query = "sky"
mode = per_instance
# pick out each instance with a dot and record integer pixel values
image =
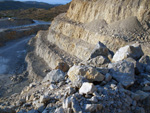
(50, 1)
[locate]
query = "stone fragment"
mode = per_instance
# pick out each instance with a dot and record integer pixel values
(137, 66)
(33, 111)
(108, 77)
(54, 76)
(139, 110)
(90, 73)
(146, 82)
(99, 50)
(45, 111)
(20, 102)
(93, 107)
(52, 87)
(87, 88)
(7, 110)
(44, 98)
(98, 61)
(62, 66)
(146, 89)
(123, 72)
(145, 60)
(28, 98)
(68, 110)
(75, 106)
(113, 86)
(147, 104)
(71, 90)
(78, 81)
(67, 102)
(143, 95)
(59, 110)
(134, 51)
(93, 99)
(103, 70)
(148, 69)
(39, 106)
(135, 96)
(128, 100)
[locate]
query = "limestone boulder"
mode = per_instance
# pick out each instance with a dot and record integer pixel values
(90, 73)
(134, 51)
(98, 61)
(78, 80)
(99, 50)
(87, 88)
(123, 72)
(55, 76)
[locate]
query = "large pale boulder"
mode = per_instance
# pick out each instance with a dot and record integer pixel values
(134, 51)
(123, 72)
(87, 88)
(90, 73)
(55, 76)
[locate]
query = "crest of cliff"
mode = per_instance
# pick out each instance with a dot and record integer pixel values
(94, 58)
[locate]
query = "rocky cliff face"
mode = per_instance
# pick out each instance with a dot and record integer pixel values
(76, 54)
(110, 10)
(114, 23)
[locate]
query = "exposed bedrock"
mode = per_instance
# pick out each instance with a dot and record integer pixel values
(72, 36)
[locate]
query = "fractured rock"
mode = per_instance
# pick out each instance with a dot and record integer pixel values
(146, 88)
(75, 106)
(98, 61)
(145, 60)
(59, 110)
(123, 72)
(44, 98)
(67, 102)
(108, 77)
(33, 111)
(54, 76)
(78, 80)
(148, 68)
(134, 51)
(90, 73)
(63, 66)
(99, 50)
(143, 95)
(87, 88)
(40, 106)
(52, 86)
(93, 107)
(137, 66)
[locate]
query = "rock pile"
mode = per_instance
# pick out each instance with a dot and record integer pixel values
(80, 77)
(86, 89)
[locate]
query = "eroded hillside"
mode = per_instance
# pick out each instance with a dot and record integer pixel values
(94, 58)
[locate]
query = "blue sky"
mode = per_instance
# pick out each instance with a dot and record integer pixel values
(50, 1)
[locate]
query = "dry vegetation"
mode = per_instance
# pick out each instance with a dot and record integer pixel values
(37, 14)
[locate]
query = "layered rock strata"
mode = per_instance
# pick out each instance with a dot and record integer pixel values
(73, 35)
(84, 73)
